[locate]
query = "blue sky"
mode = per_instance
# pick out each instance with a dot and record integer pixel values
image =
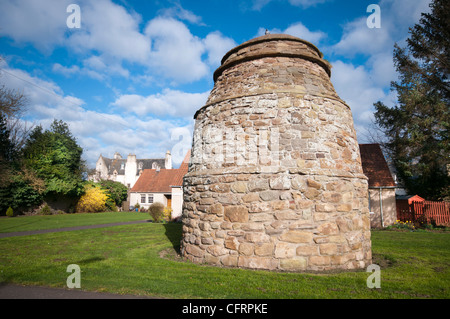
(132, 76)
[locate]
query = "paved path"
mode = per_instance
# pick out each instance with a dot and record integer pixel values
(11, 291)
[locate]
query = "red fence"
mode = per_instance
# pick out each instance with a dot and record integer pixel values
(424, 212)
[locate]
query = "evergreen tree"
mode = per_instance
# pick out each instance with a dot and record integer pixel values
(417, 128)
(55, 157)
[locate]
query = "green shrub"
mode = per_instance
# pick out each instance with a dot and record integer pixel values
(45, 210)
(10, 212)
(157, 212)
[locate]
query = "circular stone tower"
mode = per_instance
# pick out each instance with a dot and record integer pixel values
(275, 179)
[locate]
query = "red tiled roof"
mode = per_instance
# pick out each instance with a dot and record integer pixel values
(154, 181)
(375, 166)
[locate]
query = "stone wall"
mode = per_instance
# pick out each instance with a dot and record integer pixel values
(275, 179)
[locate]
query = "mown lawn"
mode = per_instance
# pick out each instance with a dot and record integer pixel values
(26, 223)
(127, 260)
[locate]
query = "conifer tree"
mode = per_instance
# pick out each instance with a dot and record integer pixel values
(417, 128)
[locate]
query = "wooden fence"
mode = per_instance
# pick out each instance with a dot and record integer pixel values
(437, 213)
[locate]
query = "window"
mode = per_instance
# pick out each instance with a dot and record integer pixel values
(143, 199)
(150, 198)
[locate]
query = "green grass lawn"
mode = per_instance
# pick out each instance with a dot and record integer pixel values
(26, 223)
(127, 260)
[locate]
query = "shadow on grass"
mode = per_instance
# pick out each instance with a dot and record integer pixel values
(174, 234)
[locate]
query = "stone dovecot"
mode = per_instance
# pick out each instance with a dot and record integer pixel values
(275, 179)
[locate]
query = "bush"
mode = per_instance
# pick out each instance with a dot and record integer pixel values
(45, 210)
(116, 191)
(157, 212)
(168, 214)
(408, 225)
(10, 212)
(92, 201)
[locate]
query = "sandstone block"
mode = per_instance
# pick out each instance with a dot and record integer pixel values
(264, 249)
(294, 264)
(258, 185)
(217, 250)
(231, 243)
(217, 209)
(319, 260)
(194, 250)
(269, 195)
(307, 250)
(257, 238)
(251, 197)
(328, 229)
(257, 262)
(239, 187)
(328, 249)
(285, 250)
(236, 214)
(295, 236)
(246, 249)
(229, 261)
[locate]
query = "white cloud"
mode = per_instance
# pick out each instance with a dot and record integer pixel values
(396, 17)
(97, 132)
(41, 23)
(355, 85)
(217, 46)
(259, 4)
(177, 11)
(110, 39)
(298, 30)
(363, 85)
(67, 71)
(358, 38)
(306, 3)
(109, 29)
(176, 53)
(170, 102)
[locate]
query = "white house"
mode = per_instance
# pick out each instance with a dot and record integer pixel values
(126, 171)
(161, 185)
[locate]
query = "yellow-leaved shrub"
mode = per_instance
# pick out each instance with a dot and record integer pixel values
(92, 201)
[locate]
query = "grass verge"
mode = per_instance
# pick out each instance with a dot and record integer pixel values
(127, 260)
(39, 222)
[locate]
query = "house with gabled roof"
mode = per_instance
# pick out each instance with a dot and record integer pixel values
(126, 171)
(382, 186)
(161, 185)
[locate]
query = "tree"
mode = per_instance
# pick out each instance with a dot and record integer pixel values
(6, 153)
(116, 191)
(55, 157)
(417, 128)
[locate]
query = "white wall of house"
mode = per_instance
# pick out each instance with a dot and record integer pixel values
(177, 202)
(157, 197)
(130, 171)
(387, 215)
